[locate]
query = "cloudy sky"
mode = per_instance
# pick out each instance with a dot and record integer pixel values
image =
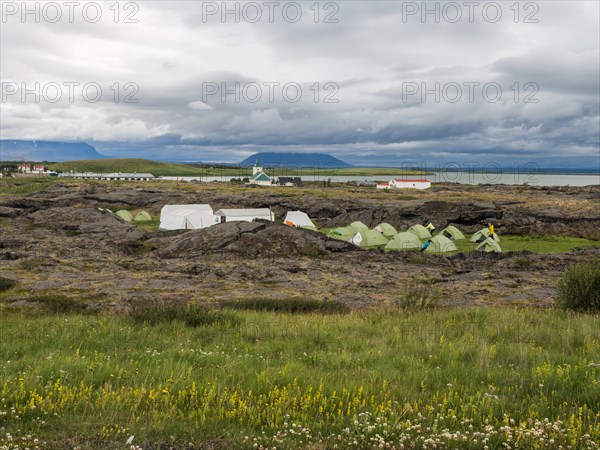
(374, 83)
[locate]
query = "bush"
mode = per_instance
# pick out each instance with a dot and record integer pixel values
(420, 293)
(191, 314)
(58, 304)
(579, 288)
(6, 284)
(289, 305)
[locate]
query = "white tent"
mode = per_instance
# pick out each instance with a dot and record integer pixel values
(243, 215)
(186, 217)
(298, 219)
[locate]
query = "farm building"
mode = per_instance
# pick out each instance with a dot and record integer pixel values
(186, 217)
(243, 215)
(111, 176)
(405, 184)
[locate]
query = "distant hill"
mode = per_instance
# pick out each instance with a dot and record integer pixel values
(295, 160)
(129, 165)
(12, 150)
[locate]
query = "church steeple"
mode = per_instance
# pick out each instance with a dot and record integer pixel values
(257, 167)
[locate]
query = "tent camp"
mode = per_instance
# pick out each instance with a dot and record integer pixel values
(441, 244)
(420, 231)
(453, 233)
(243, 215)
(186, 217)
(342, 234)
(358, 227)
(369, 239)
(404, 241)
(298, 219)
(482, 235)
(125, 215)
(489, 245)
(142, 216)
(387, 230)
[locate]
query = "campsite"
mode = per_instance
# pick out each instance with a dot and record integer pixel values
(219, 316)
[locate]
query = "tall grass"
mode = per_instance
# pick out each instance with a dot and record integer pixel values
(579, 288)
(498, 375)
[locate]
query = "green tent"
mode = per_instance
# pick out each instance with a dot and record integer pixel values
(142, 216)
(342, 233)
(489, 245)
(125, 215)
(357, 227)
(453, 233)
(441, 244)
(404, 241)
(420, 231)
(369, 239)
(483, 233)
(387, 230)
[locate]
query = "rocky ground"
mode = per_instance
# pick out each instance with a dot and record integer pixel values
(56, 240)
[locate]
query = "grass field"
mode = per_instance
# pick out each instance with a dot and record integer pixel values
(384, 379)
(171, 169)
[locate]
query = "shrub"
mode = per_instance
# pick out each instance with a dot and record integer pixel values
(579, 288)
(289, 305)
(58, 304)
(6, 284)
(191, 314)
(420, 293)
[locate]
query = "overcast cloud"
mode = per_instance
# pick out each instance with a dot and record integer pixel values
(376, 60)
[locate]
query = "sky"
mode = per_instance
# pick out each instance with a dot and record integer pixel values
(373, 83)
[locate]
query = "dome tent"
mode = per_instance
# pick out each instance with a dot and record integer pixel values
(482, 235)
(387, 230)
(369, 239)
(358, 226)
(404, 241)
(125, 215)
(452, 232)
(298, 219)
(142, 216)
(489, 245)
(420, 231)
(342, 234)
(441, 244)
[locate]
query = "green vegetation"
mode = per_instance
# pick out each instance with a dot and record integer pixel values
(190, 314)
(535, 244)
(6, 284)
(579, 289)
(173, 169)
(420, 293)
(25, 185)
(468, 378)
(289, 305)
(57, 304)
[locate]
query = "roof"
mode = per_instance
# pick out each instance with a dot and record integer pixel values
(109, 175)
(397, 180)
(244, 212)
(260, 176)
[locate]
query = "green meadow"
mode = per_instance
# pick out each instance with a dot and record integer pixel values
(471, 378)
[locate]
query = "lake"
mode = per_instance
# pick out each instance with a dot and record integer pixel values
(533, 179)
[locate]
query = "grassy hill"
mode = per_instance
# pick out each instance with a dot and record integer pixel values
(172, 169)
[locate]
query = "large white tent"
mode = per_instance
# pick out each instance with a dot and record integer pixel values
(243, 215)
(298, 219)
(186, 217)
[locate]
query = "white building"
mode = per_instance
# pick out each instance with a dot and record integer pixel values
(259, 177)
(405, 184)
(243, 215)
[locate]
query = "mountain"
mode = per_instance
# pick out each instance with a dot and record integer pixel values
(11, 150)
(295, 160)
